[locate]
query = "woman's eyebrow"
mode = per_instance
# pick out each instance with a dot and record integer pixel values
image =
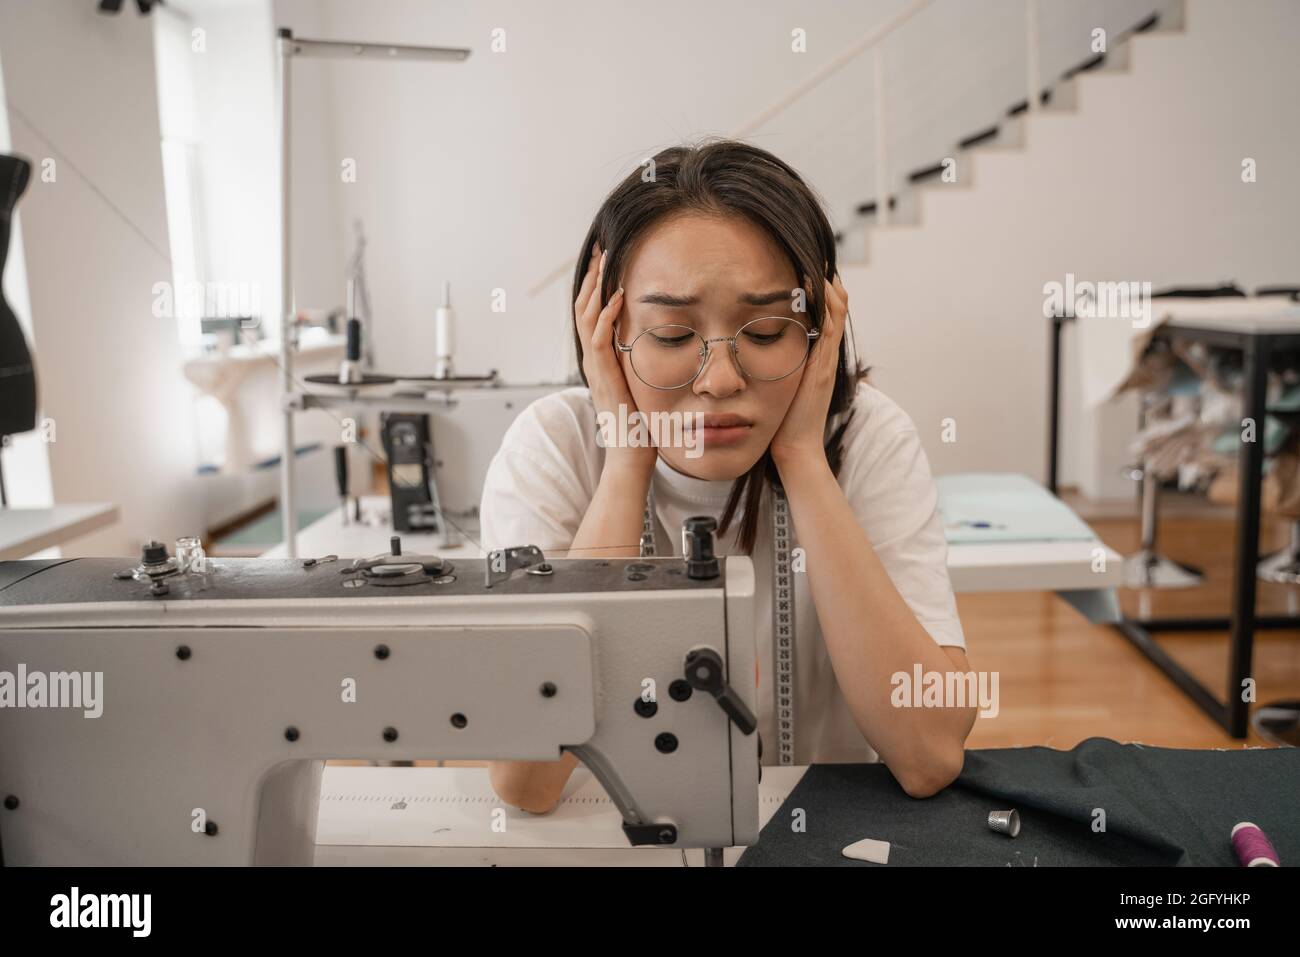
(667, 299)
(765, 298)
(748, 298)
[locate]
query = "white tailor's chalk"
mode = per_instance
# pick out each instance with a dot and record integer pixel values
(877, 852)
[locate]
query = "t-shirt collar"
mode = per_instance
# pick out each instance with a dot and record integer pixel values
(689, 488)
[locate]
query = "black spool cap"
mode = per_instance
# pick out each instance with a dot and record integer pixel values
(697, 546)
(354, 339)
(153, 553)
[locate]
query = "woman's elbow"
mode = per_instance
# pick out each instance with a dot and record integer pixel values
(936, 774)
(517, 790)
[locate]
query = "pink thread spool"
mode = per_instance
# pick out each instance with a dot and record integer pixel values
(1253, 846)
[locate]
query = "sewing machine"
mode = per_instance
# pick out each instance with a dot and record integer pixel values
(226, 687)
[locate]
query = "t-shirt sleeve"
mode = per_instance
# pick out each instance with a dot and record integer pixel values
(536, 488)
(896, 502)
(524, 504)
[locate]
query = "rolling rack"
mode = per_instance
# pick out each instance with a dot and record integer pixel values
(1258, 340)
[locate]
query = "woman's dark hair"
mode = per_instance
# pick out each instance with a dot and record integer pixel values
(727, 178)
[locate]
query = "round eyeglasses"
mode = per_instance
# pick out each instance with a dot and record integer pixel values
(672, 356)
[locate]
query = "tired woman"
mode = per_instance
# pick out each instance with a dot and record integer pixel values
(707, 295)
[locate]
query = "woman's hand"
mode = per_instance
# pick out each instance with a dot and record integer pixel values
(600, 362)
(802, 432)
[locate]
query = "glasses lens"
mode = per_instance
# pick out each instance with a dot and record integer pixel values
(772, 347)
(667, 357)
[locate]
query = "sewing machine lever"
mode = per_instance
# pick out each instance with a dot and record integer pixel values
(704, 671)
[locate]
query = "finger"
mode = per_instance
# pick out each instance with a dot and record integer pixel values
(834, 300)
(582, 305)
(603, 353)
(604, 331)
(834, 310)
(833, 327)
(808, 288)
(844, 304)
(588, 282)
(591, 312)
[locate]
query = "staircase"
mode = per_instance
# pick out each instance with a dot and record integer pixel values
(1007, 131)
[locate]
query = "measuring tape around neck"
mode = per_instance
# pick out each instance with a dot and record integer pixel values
(783, 632)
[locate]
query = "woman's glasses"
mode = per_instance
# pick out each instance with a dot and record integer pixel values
(672, 356)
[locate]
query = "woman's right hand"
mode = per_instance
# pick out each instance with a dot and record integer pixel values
(600, 363)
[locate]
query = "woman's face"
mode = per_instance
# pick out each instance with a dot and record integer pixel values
(712, 274)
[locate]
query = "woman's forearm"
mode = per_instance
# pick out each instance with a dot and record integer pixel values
(613, 522)
(871, 633)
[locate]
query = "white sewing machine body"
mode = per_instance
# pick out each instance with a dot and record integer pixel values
(222, 698)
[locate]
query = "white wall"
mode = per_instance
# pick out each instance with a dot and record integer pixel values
(109, 371)
(1142, 183)
(488, 172)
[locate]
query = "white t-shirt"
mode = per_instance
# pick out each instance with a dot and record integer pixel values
(544, 476)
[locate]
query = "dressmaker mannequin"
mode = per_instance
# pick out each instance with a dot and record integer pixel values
(17, 374)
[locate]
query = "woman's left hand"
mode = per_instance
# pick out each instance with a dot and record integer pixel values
(802, 432)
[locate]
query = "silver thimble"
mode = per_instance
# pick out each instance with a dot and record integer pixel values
(1005, 822)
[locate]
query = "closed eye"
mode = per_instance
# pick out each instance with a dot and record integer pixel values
(668, 340)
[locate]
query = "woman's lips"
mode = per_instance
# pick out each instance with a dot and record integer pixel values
(723, 434)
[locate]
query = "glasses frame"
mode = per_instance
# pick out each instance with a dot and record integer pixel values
(812, 334)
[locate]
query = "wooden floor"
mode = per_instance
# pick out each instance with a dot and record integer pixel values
(1063, 679)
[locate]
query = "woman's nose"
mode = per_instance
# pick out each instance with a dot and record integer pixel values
(721, 375)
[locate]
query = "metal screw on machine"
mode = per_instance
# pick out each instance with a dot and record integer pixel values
(704, 671)
(697, 547)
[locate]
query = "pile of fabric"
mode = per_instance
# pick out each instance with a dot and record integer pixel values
(1193, 427)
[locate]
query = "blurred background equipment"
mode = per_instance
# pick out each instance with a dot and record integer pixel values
(17, 371)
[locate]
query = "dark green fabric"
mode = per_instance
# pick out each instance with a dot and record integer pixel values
(1162, 806)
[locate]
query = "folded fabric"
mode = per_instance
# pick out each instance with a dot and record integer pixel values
(1005, 507)
(1107, 350)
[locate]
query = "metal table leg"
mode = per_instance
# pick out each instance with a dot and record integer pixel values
(1256, 350)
